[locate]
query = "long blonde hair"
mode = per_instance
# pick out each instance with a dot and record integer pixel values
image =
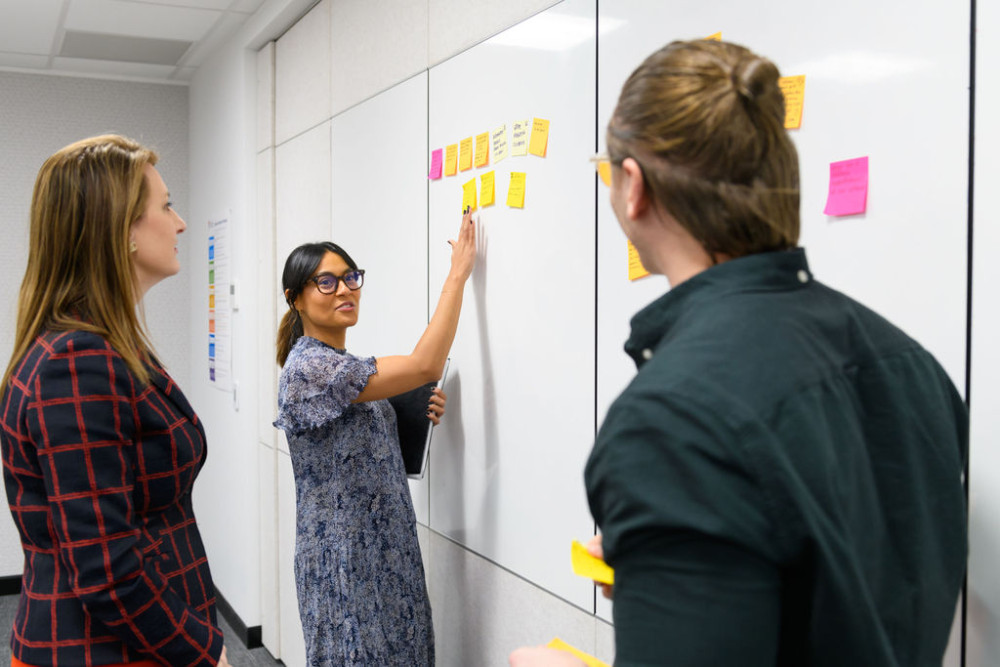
(80, 274)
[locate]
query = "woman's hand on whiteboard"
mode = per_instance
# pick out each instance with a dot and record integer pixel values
(543, 656)
(435, 410)
(463, 251)
(595, 548)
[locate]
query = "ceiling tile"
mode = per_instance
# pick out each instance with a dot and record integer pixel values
(29, 27)
(193, 4)
(221, 32)
(246, 6)
(139, 19)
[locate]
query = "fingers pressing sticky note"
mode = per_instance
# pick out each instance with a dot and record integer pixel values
(587, 566)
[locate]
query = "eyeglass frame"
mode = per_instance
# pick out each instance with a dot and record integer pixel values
(337, 280)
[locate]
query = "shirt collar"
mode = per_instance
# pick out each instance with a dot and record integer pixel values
(780, 270)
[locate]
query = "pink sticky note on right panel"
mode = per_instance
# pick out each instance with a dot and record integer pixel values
(848, 194)
(436, 163)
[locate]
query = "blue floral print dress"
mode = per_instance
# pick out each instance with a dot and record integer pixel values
(360, 580)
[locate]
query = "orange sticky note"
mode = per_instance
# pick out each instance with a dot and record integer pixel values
(794, 89)
(588, 659)
(635, 268)
(469, 195)
(450, 159)
(515, 193)
(539, 137)
(465, 154)
(482, 149)
(487, 188)
(717, 37)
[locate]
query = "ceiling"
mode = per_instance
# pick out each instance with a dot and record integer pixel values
(151, 40)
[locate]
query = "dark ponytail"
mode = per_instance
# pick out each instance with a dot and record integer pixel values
(299, 267)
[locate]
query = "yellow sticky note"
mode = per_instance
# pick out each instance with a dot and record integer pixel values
(487, 188)
(587, 566)
(465, 154)
(450, 159)
(519, 137)
(499, 143)
(469, 195)
(635, 268)
(482, 149)
(539, 137)
(588, 659)
(794, 89)
(515, 193)
(717, 37)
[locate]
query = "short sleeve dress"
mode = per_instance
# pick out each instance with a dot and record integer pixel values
(358, 572)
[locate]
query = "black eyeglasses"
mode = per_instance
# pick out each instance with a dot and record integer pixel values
(327, 283)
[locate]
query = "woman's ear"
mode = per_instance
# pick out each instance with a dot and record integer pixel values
(636, 194)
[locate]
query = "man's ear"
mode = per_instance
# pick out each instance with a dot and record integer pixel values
(637, 196)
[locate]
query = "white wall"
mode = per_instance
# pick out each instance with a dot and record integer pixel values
(39, 114)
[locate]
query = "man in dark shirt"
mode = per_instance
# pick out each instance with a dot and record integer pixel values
(781, 483)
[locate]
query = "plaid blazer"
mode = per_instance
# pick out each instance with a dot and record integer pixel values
(98, 471)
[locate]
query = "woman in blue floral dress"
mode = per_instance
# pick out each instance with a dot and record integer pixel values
(358, 572)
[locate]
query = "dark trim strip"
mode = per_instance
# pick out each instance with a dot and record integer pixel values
(10, 585)
(251, 637)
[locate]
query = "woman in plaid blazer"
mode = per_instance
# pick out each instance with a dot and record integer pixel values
(100, 447)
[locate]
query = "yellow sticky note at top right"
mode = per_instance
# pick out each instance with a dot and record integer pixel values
(539, 137)
(716, 37)
(794, 89)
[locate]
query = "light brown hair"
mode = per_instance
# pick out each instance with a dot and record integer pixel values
(80, 274)
(705, 121)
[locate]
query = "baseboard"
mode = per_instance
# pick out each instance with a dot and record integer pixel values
(10, 585)
(251, 637)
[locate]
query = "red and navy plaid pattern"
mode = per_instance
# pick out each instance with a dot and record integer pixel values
(98, 472)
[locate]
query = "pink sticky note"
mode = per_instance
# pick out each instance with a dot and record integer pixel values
(848, 187)
(436, 162)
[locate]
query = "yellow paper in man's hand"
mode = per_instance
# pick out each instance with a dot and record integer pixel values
(587, 566)
(590, 660)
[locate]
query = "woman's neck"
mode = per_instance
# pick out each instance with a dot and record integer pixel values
(335, 338)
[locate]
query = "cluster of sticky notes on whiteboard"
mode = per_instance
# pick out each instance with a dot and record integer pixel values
(527, 137)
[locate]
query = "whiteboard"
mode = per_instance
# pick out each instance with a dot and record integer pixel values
(379, 205)
(880, 82)
(506, 465)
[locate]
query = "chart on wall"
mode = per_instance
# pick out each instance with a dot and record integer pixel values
(511, 131)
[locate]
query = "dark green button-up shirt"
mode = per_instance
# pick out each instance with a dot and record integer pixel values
(781, 482)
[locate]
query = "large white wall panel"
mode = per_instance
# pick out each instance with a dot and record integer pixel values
(507, 464)
(376, 44)
(387, 236)
(455, 25)
(302, 66)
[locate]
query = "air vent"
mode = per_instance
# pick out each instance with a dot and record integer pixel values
(95, 46)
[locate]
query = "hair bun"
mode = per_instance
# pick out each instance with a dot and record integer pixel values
(752, 78)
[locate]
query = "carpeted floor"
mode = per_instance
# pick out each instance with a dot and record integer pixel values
(238, 654)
